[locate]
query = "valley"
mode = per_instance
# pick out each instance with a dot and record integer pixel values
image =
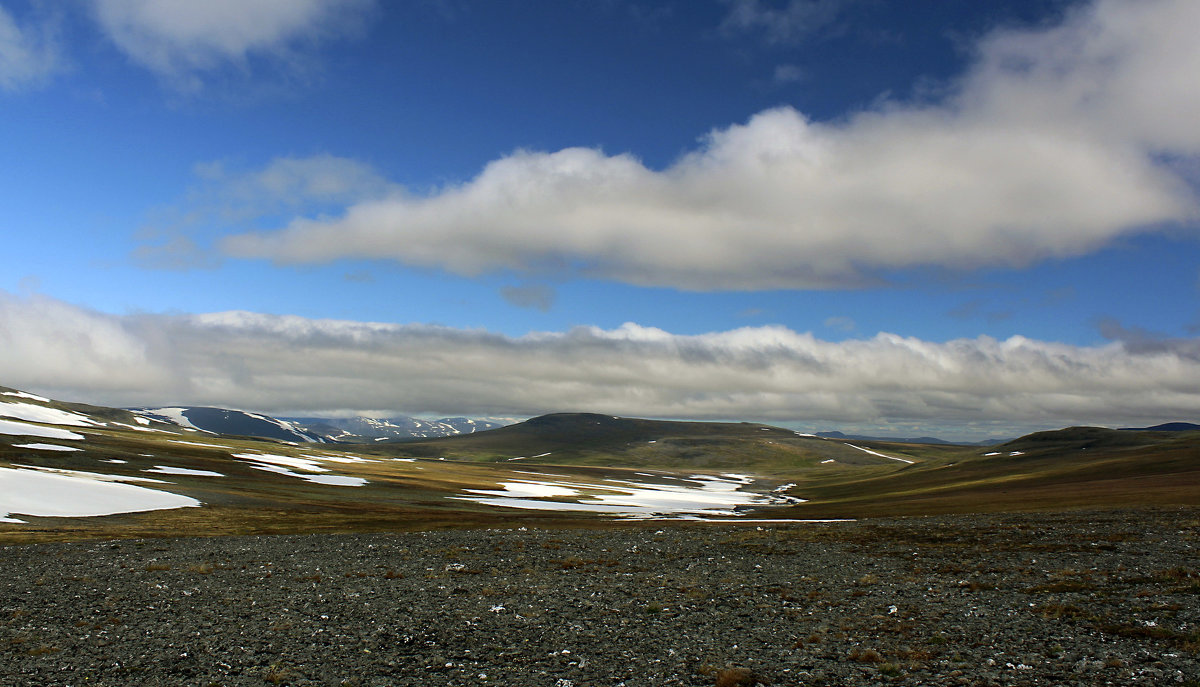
(73, 471)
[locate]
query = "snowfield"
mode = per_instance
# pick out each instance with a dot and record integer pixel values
(56, 495)
(27, 430)
(50, 416)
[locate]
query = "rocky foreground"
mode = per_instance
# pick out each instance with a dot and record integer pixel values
(1097, 598)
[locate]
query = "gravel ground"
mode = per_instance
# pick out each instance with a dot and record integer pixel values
(1098, 598)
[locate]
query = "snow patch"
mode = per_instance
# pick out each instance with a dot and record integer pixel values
(98, 476)
(134, 427)
(526, 488)
(881, 455)
(695, 495)
(50, 416)
(22, 394)
(288, 461)
(195, 443)
(168, 470)
(74, 495)
(47, 447)
(333, 480)
(22, 429)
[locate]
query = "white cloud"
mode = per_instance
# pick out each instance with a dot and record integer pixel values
(284, 364)
(28, 54)
(1054, 144)
(224, 196)
(180, 38)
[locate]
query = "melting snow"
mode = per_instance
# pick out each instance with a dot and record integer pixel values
(51, 416)
(697, 495)
(22, 394)
(280, 464)
(98, 476)
(334, 480)
(47, 447)
(22, 429)
(993, 453)
(776, 521)
(135, 427)
(43, 494)
(168, 470)
(526, 488)
(173, 414)
(828, 461)
(289, 461)
(881, 455)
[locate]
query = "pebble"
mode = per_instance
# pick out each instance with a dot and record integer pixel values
(1101, 597)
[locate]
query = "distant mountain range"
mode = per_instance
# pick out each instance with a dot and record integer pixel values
(359, 430)
(354, 430)
(364, 429)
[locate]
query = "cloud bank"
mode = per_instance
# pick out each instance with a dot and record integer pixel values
(1055, 142)
(291, 364)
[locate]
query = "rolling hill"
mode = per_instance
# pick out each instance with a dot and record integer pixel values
(74, 471)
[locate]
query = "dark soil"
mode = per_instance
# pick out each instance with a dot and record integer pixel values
(1089, 598)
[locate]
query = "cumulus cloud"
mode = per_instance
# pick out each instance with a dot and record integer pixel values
(179, 39)
(287, 364)
(1055, 141)
(28, 53)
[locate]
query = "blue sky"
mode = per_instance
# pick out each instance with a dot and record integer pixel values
(964, 218)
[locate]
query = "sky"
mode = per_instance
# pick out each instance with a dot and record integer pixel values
(963, 219)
